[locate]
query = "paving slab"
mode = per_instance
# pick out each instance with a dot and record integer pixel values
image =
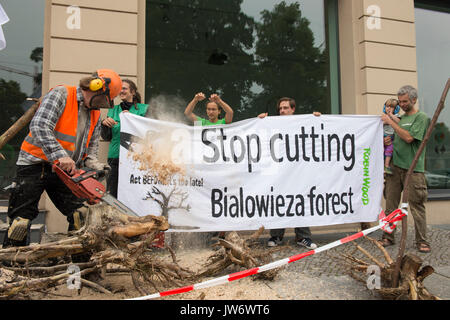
(326, 276)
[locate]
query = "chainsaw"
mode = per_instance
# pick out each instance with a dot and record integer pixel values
(85, 185)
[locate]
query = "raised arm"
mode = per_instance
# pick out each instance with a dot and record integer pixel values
(228, 110)
(188, 112)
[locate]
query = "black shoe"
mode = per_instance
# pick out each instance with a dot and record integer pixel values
(307, 242)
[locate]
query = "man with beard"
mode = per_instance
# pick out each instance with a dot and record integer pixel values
(409, 133)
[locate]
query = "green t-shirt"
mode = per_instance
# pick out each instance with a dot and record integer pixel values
(417, 125)
(206, 122)
(139, 109)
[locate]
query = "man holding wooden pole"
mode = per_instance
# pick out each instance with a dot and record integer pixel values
(65, 130)
(409, 133)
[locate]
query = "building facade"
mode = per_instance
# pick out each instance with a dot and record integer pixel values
(358, 53)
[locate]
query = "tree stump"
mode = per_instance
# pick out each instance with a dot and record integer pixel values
(412, 274)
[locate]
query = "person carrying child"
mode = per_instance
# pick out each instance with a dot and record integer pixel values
(391, 108)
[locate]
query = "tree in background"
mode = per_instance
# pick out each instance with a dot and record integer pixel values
(11, 98)
(37, 56)
(13, 104)
(287, 62)
(213, 47)
(200, 45)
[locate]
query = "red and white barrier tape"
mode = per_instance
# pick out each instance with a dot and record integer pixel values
(388, 224)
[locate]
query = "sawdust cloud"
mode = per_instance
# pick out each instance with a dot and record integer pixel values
(156, 158)
(154, 153)
(168, 108)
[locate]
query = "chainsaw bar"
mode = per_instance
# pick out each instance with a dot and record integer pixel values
(109, 199)
(84, 185)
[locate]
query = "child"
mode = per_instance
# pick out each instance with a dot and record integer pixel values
(213, 107)
(392, 108)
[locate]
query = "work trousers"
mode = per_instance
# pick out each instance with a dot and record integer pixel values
(417, 196)
(112, 180)
(31, 181)
(300, 233)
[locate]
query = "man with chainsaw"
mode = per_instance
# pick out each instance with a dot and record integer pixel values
(65, 130)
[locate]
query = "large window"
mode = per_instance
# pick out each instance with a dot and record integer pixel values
(433, 67)
(249, 52)
(20, 74)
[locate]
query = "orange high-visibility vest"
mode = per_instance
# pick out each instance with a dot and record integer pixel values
(66, 128)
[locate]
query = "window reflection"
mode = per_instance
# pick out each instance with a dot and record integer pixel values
(250, 52)
(433, 67)
(20, 75)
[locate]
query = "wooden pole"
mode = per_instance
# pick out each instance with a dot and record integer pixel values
(401, 250)
(19, 124)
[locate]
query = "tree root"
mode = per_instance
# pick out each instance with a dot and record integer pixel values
(108, 237)
(125, 244)
(411, 278)
(243, 253)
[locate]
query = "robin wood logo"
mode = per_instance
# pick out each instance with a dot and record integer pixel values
(366, 177)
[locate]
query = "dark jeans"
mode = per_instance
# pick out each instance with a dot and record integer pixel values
(112, 181)
(31, 181)
(300, 233)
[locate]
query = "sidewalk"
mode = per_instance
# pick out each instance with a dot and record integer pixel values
(325, 275)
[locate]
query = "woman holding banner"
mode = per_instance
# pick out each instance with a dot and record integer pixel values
(110, 129)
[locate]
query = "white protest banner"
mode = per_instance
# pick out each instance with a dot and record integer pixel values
(3, 19)
(276, 172)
